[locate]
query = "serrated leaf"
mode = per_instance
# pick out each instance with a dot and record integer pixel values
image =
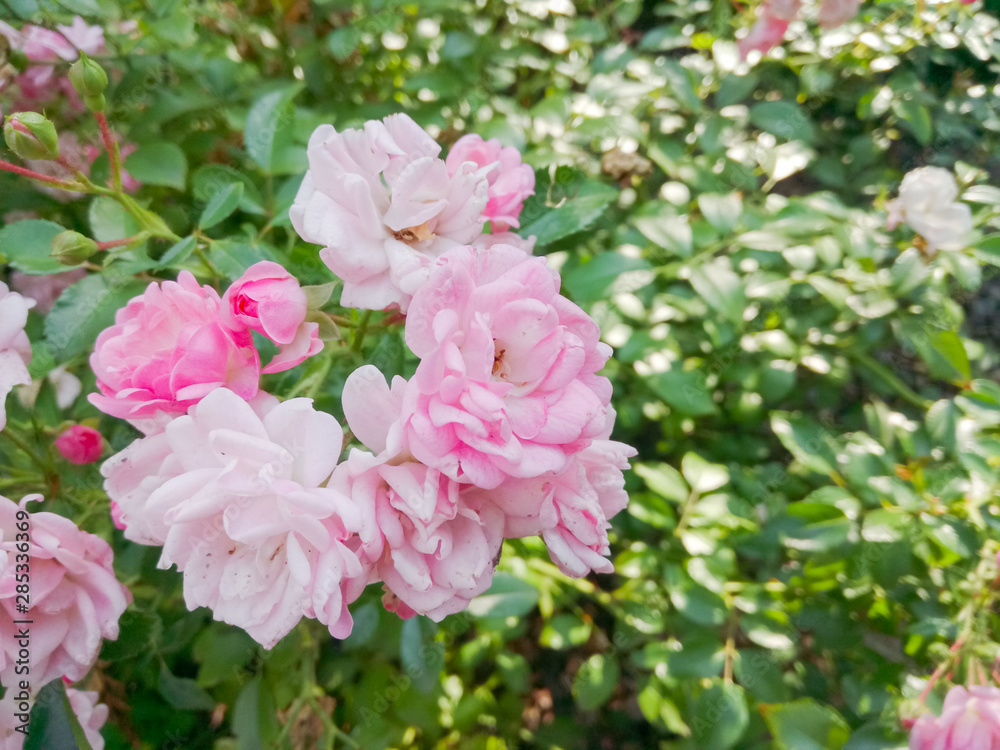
(806, 441)
(721, 288)
(686, 391)
(178, 252)
(269, 114)
(575, 215)
(806, 725)
(84, 310)
(222, 204)
(160, 163)
(53, 723)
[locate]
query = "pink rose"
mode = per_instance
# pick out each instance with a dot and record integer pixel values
(507, 382)
(91, 714)
(571, 511)
(969, 720)
(510, 181)
(269, 300)
(80, 444)
(15, 349)
(432, 540)
(486, 241)
(385, 207)
(234, 491)
(41, 82)
(75, 599)
(833, 13)
(168, 349)
(773, 18)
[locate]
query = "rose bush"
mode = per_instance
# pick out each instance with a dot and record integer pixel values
(396, 370)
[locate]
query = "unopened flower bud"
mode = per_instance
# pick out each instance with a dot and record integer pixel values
(71, 248)
(31, 136)
(88, 77)
(80, 444)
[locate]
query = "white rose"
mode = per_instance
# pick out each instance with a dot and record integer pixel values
(927, 204)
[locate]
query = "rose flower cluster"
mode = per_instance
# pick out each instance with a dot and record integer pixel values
(503, 431)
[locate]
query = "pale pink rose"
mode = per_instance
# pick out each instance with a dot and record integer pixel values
(80, 444)
(75, 599)
(928, 203)
(571, 510)
(510, 181)
(234, 492)
(432, 540)
(507, 382)
(15, 349)
(44, 289)
(969, 720)
(833, 13)
(168, 349)
(385, 207)
(91, 714)
(486, 241)
(269, 300)
(773, 18)
(43, 82)
(10, 718)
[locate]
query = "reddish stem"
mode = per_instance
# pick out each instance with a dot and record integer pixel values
(115, 243)
(65, 184)
(942, 667)
(112, 149)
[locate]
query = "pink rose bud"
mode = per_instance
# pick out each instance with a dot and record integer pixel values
(80, 444)
(510, 181)
(267, 299)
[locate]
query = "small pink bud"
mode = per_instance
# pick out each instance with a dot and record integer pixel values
(80, 444)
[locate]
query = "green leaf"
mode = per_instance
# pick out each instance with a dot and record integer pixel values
(270, 114)
(807, 441)
(564, 631)
(595, 681)
(720, 716)
(86, 309)
(784, 119)
(209, 179)
(342, 42)
(421, 657)
(182, 693)
(178, 252)
(508, 596)
(591, 281)
(159, 163)
(917, 119)
(233, 258)
(672, 233)
(722, 211)
(702, 475)
(53, 723)
(222, 653)
(664, 480)
(223, 203)
(573, 216)
(721, 288)
(686, 391)
(254, 719)
(805, 725)
(27, 245)
(109, 220)
(699, 605)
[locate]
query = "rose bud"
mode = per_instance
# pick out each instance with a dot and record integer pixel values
(31, 136)
(71, 248)
(80, 444)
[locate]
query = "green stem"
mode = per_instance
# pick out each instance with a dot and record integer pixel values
(359, 335)
(884, 374)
